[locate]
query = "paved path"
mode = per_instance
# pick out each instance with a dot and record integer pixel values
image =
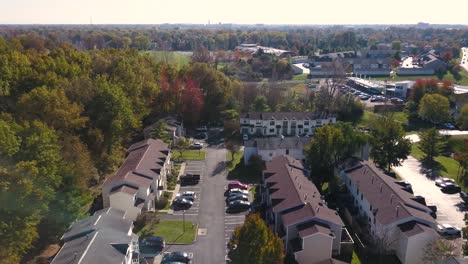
(450, 208)
(415, 137)
(209, 211)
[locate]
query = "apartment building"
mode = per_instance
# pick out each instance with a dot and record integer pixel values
(141, 178)
(283, 123)
(105, 237)
(390, 213)
(311, 232)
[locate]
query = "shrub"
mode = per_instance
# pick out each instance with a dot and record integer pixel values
(161, 203)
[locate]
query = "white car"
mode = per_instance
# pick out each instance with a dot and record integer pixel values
(448, 230)
(441, 181)
(238, 191)
(188, 195)
(245, 137)
(196, 145)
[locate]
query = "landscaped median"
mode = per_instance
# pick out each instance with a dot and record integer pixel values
(172, 231)
(190, 155)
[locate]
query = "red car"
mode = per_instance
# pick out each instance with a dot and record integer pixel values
(237, 185)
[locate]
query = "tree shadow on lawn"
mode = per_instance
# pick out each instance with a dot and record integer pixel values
(432, 169)
(244, 173)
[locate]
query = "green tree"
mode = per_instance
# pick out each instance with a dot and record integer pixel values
(53, 108)
(431, 144)
(462, 118)
(254, 243)
(435, 108)
(233, 147)
(160, 131)
(181, 145)
(389, 147)
(260, 104)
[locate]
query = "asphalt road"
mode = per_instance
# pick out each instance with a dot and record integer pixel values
(209, 212)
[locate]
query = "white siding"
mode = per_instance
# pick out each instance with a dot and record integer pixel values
(316, 247)
(413, 253)
(125, 202)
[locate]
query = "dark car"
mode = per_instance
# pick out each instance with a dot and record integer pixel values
(464, 197)
(450, 188)
(240, 197)
(154, 241)
(176, 257)
(405, 186)
(180, 202)
(190, 178)
(238, 205)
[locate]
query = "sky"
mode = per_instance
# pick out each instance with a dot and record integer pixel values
(233, 11)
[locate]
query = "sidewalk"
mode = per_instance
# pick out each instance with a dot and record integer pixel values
(175, 191)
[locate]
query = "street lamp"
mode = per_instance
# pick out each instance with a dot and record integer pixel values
(183, 219)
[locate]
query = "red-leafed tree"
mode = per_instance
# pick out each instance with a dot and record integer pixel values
(192, 102)
(168, 100)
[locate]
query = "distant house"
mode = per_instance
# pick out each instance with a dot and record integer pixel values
(140, 180)
(311, 232)
(271, 147)
(283, 123)
(175, 128)
(431, 60)
(390, 213)
(254, 48)
(105, 238)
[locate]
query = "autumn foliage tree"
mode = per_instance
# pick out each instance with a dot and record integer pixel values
(255, 243)
(192, 102)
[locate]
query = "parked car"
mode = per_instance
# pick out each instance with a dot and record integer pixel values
(190, 178)
(439, 182)
(364, 97)
(240, 197)
(450, 188)
(237, 191)
(245, 137)
(196, 145)
(188, 195)
(448, 230)
(406, 186)
(154, 241)
(238, 205)
(176, 257)
(449, 126)
(237, 185)
(464, 197)
(201, 136)
(180, 202)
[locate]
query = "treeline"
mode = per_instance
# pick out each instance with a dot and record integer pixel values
(66, 117)
(302, 40)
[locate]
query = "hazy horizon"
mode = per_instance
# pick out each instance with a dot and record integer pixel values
(302, 12)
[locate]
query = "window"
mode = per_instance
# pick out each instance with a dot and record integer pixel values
(272, 123)
(319, 122)
(306, 123)
(271, 154)
(362, 196)
(272, 130)
(370, 207)
(306, 130)
(287, 152)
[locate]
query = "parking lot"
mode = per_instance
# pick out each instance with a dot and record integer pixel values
(194, 167)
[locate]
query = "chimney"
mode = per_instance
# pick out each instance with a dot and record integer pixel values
(391, 198)
(398, 207)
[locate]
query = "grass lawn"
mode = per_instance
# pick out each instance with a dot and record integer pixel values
(447, 167)
(447, 76)
(190, 155)
(401, 117)
(300, 76)
(172, 231)
(244, 173)
(232, 162)
(173, 57)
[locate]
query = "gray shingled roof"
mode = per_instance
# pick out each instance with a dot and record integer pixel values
(286, 115)
(101, 238)
(143, 163)
(289, 187)
(274, 143)
(389, 201)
